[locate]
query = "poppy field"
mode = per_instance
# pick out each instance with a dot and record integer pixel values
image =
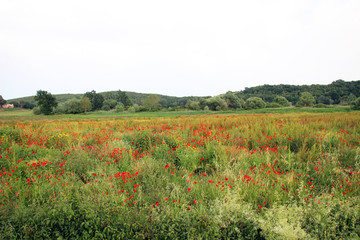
(264, 176)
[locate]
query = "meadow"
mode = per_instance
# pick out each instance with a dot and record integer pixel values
(275, 175)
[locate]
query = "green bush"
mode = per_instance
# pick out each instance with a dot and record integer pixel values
(119, 108)
(273, 105)
(320, 105)
(36, 111)
(282, 101)
(254, 103)
(356, 104)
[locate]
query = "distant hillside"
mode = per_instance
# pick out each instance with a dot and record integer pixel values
(165, 101)
(334, 93)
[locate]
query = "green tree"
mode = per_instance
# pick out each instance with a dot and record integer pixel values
(28, 105)
(151, 102)
(2, 101)
(60, 108)
(305, 100)
(232, 100)
(119, 96)
(96, 99)
(124, 99)
(254, 103)
(85, 104)
(192, 105)
(119, 107)
(351, 99)
(282, 101)
(356, 104)
(109, 104)
(242, 102)
(335, 96)
(45, 101)
(72, 106)
(323, 99)
(202, 103)
(216, 104)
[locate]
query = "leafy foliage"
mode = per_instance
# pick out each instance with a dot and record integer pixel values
(151, 102)
(356, 104)
(216, 103)
(337, 91)
(85, 104)
(282, 101)
(45, 101)
(232, 100)
(192, 105)
(120, 97)
(96, 99)
(254, 103)
(305, 100)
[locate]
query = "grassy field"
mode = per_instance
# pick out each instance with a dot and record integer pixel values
(286, 174)
(21, 114)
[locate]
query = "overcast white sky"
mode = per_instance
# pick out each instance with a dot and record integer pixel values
(178, 48)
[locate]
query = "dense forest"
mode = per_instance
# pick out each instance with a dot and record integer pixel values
(335, 93)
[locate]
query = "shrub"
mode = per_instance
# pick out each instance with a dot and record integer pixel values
(232, 100)
(282, 101)
(131, 109)
(72, 106)
(273, 105)
(356, 104)
(320, 105)
(254, 103)
(109, 104)
(36, 111)
(119, 108)
(305, 100)
(217, 104)
(192, 105)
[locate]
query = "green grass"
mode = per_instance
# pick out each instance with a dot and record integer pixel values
(17, 114)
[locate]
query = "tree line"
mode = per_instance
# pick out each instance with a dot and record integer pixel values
(117, 101)
(266, 96)
(338, 92)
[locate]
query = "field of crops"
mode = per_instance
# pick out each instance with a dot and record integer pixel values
(264, 176)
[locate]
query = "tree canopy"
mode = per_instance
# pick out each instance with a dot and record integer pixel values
(254, 103)
(96, 99)
(232, 100)
(151, 102)
(120, 97)
(306, 100)
(336, 92)
(282, 101)
(45, 101)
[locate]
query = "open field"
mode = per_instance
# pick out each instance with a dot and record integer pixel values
(16, 114)
(292, 175)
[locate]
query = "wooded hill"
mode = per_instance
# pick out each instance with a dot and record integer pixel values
(335, 93)
(137, 98)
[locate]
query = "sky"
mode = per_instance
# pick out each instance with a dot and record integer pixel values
(176, 48)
